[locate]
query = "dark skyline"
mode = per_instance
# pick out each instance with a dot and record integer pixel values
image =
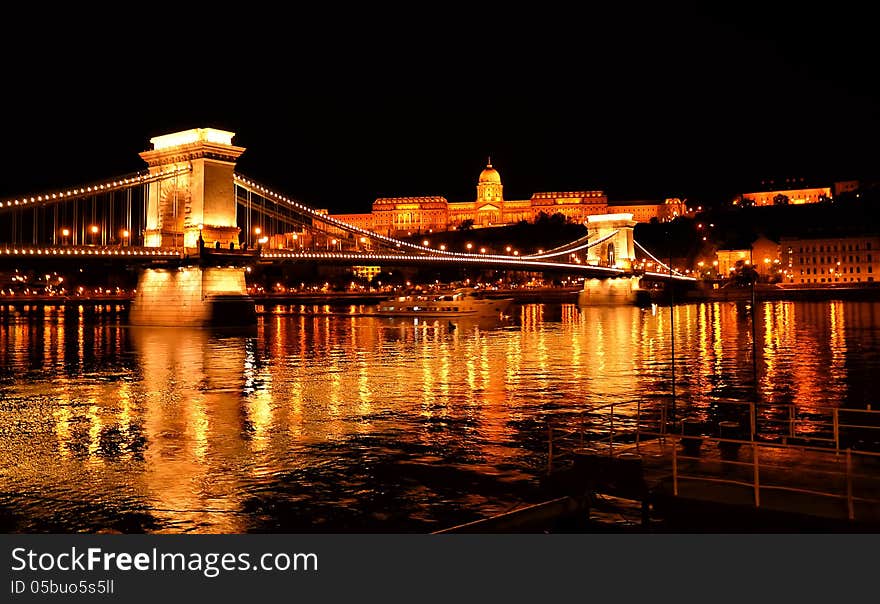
(647, 103)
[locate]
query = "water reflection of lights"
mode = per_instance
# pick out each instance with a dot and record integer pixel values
(204, 422)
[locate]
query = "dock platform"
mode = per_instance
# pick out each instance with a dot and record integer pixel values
(702, 482)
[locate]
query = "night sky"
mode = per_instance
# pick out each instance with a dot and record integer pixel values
(340, 109)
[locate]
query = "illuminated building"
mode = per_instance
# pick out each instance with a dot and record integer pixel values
(402, 216)
(763, 253)
(366, 272)
(846, 186)
(830, 260)
(644, 211)
(790, 195)
(574, 205)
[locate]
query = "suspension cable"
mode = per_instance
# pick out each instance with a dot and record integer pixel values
(84, 191)
(658, 261)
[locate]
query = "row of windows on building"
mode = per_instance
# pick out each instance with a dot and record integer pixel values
(831, 271)
(837, 280)
(829, 248)
(835, 260)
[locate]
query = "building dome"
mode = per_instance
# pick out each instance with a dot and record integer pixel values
(490, 175)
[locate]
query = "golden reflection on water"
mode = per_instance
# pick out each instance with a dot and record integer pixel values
(838, 339)
(192, 425)
(193, 421)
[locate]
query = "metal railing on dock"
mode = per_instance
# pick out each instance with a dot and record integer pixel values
(814, 452)
(850, 476)
(613, 425)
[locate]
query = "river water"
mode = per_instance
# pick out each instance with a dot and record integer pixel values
(317, 422)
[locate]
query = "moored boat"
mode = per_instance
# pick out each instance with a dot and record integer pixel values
(460, 302)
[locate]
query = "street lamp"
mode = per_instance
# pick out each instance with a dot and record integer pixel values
(125, 235)
(65, 233)
(94, 229)
(469, 246)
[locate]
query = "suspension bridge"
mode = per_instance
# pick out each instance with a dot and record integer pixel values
(191, 224)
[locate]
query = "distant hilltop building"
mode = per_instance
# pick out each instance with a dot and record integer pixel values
(791, 191)
(401, 216)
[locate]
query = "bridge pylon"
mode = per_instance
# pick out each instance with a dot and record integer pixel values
(198, 201)
(618, 251)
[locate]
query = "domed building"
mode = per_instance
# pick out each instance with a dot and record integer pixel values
(489, 208)
(403, 216)
(489, 185)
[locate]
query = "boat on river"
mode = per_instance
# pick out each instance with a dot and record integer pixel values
(460, 302)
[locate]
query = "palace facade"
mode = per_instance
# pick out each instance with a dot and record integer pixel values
(404, 216)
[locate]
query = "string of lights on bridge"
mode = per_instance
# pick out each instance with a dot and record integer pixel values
(562, 249)
(464, 259)
(565, 249)
(149, 252)
(671, 270)
(109, 186)
(354, 257)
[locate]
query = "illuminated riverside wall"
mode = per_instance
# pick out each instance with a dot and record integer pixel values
(192, 296)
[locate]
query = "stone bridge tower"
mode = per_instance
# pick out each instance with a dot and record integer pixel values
(619, 250)
(201, 199)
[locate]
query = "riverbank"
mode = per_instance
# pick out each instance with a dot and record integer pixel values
(521, 295)
(767, 292)
(546, 295)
